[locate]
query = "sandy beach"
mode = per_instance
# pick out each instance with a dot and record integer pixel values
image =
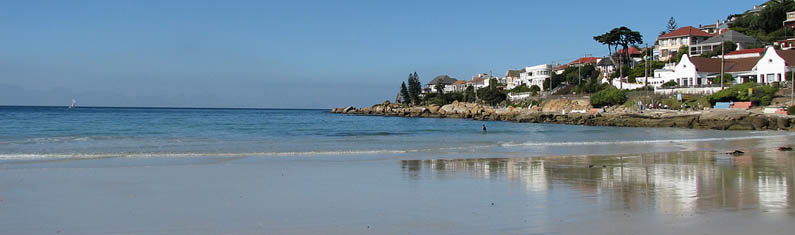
(687, 192)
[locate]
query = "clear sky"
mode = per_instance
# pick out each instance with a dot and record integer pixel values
(296, 54)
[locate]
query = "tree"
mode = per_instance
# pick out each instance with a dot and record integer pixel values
(535, 89)
(671, 25)
(490, 94)
(469, 94)
(621, 36)
(682, 51)
(415, 88)
(439, 88)
(405, 93)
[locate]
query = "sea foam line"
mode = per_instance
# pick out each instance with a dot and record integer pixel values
(26, 156)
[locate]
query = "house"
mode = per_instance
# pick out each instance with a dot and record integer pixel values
(774, 65)
(441, 79)
(713, 43)
(714, 28)
(579, 62)
(459, 85)
(698, 71)
(745, 53)
(606, 66)
(668, 44)
(790, 21)
(785, 44)
(512, 78)
(536, 75)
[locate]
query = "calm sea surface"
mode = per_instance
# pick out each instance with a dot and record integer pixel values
(36, 133)
(246, 171)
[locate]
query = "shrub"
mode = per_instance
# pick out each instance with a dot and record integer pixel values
(791, 110)
(608, 97)
(762, 95)
(669, 84)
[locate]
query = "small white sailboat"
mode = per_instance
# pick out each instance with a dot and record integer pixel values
(74, 104)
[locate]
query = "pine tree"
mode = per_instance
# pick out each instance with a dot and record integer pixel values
(415, 88)
(671, 25)
(406, 98)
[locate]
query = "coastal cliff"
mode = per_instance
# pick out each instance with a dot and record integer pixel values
(711, 119)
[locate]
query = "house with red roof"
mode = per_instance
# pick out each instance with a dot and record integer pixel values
(668, 44)
(745, 53)
(579, 62)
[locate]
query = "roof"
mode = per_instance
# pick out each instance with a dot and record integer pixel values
(442, 79)
(460, 82)
(747, 51)
(585, 60)
(788, 56)
(514, 73)
(712, 65)
(632, 51)
(605, 62)
(477, 79)
(730, 35)
(686, 31)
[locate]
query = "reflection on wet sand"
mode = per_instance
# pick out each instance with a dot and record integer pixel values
(670, 183)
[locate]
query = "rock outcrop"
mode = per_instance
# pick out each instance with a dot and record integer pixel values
(713, 119)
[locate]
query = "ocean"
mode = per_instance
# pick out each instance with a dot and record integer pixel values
(46, 133)
(272, 171)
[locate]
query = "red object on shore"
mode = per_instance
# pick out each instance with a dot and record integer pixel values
(741, 105)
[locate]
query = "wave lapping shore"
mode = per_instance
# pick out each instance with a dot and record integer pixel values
(709, 119)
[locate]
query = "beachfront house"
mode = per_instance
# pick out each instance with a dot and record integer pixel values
(512, 78)
(605, 66)
(459, 85)
(774, 65)
(743, 41)
(668, 44)
(698, 71)
(441, 79)
(536, 75)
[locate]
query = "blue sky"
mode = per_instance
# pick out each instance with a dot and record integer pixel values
(296, 54)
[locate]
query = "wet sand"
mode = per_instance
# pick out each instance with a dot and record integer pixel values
(691, 192)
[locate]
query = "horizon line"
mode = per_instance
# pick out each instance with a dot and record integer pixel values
(155, 107)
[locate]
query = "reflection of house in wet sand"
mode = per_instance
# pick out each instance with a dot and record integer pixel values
(673, 183)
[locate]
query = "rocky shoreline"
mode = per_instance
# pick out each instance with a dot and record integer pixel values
(710, 119)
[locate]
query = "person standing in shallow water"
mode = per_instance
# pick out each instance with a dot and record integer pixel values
(484, 128)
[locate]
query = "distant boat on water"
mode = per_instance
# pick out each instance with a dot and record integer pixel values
(74, 104)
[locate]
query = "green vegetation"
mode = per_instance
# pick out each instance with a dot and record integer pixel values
(535, 89)
(404, 93)
(469, 94)
(671, 26)
(623, 37)
(439, 88)
(728, 45)
(761, 95)
(791, 110)
(765, 26)
(727, 81)
(490, 94)
(608, 97)
(682, 51)
(518, 89)
(414, 89)
(670, 84)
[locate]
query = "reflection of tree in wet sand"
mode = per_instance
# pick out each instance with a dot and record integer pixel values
(673, 183)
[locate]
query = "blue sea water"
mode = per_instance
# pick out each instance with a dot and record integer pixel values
(35, 133)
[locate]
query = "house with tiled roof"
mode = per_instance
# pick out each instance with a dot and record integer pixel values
(745, 53)
(445, 80)
(699, 71)
(668, 44)
(774, 65)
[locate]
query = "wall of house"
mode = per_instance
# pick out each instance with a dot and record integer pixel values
(685, 73)
(771, 67)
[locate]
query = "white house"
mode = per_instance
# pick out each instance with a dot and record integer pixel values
(512, 78)
(774, 65)
(535, 75)
(697, 71)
